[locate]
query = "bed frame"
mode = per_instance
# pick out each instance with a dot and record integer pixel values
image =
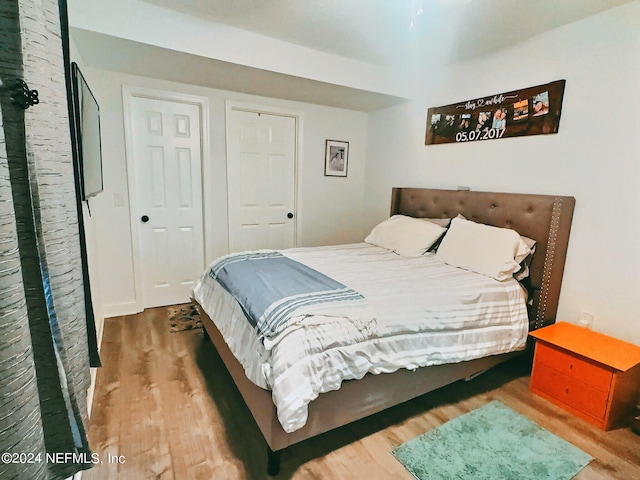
(545, 218)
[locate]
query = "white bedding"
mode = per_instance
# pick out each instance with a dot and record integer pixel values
(425, 313)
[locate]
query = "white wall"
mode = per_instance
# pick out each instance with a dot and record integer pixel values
(149, 24)
(330, 209)
(595, 156)
(91, 238)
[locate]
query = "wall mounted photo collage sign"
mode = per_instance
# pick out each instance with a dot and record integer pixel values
(530, 111)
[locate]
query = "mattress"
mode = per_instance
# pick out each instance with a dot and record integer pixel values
(420, 312)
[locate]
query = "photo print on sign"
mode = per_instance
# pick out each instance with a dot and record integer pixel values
(529, 111)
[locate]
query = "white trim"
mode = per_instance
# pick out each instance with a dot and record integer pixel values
(94, 370)
(297, 115)
(205, 144)
(123, 308)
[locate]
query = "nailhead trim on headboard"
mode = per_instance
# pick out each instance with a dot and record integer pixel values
(548, 262)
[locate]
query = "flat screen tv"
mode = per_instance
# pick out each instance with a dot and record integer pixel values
(86, 121)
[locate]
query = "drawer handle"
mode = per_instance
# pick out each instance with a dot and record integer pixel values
(566, 391)
(571, 366)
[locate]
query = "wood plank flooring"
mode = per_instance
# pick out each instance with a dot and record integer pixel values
(165, 403)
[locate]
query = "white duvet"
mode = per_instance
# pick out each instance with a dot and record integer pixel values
(423, 312)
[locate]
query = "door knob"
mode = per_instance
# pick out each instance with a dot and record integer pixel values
(289, 215)
(144, 218)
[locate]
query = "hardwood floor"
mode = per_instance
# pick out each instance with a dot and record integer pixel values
(165, 404)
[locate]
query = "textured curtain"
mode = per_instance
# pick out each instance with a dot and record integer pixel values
(44, 356)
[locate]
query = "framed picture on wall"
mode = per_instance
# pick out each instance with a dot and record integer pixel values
(336, 158)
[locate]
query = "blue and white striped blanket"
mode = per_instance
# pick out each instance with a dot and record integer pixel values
(274, 291)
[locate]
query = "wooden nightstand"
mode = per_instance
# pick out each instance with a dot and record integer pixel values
(591, 375)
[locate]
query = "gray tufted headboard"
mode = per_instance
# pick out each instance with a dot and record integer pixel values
(544, 218)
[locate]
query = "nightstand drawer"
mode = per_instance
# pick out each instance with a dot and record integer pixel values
(569, 391)
(591, 375)
(596, 376)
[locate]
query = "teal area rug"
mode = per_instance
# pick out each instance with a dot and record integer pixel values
(491, 442)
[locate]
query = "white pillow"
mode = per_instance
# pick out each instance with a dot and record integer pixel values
(491, 251)
(406, 236)
(443, 222)
(523, 273)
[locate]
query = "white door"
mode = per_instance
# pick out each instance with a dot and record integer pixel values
(261, 153)
(167, 203)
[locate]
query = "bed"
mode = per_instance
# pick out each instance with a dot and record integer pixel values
(543, 218)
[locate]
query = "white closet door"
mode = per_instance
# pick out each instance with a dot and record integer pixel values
(261, 180)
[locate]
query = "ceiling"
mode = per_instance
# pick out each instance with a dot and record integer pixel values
(390, 32)
(399, 35)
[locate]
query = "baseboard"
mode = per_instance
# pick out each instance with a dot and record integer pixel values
(94, 371)
(92, 387)
(91, 390)
(119, 309)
